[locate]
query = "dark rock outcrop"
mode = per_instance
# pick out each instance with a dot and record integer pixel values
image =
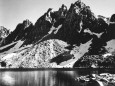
(62, 57)
(96, 61)
(20, 33)
(111, 30)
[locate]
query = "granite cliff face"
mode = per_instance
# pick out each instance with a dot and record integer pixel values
(81, 32)
(21, 32)
(3, 32)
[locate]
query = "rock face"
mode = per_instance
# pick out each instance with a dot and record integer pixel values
(21, 32)
(3, 32)
(96, 61)
(75, 26)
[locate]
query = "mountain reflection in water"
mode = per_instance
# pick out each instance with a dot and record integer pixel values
(44, 78)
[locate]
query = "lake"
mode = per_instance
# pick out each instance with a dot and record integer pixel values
(47, 77)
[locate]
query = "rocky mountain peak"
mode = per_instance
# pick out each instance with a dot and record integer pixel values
(62, 11)
(112, 19)
(27, 23)
(4, 32)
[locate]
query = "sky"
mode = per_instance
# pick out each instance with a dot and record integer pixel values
(13, 12)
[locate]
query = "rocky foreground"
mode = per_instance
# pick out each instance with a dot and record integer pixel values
(103, 79)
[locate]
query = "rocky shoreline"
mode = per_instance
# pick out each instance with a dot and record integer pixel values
(104, 79)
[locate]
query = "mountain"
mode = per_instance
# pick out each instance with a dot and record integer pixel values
(72, 33)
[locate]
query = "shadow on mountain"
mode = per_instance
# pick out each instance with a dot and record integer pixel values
(62, 57)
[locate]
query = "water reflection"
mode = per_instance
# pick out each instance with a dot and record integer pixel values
(7, 79)
(43, 78)
(27, 78)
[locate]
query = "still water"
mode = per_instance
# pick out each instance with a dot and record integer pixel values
(52, 77)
